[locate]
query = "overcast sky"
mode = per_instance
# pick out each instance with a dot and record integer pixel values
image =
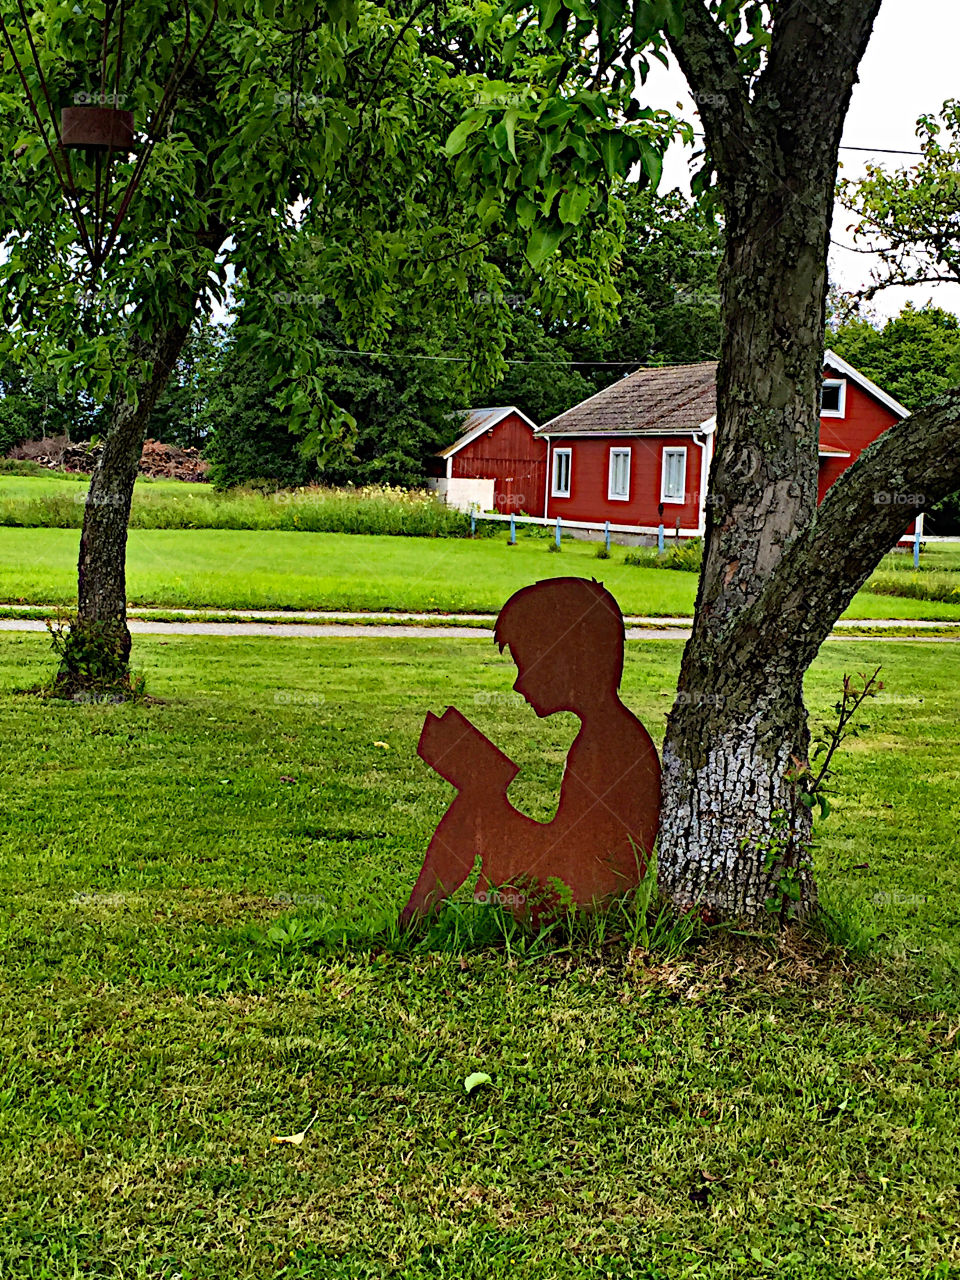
(911, 66)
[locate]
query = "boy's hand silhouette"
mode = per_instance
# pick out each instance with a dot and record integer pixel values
(566, 636)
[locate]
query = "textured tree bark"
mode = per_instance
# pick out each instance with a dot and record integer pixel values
(101, 570)
(739, 723)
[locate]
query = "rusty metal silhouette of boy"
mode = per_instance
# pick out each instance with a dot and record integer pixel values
(566, 636)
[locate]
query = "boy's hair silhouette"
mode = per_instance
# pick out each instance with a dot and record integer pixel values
(569, 627)
(566, 636)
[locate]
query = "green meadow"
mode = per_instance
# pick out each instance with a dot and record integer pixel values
(278, 569)
(198, 955)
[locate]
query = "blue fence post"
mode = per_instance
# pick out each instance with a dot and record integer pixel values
(660, 540)
(606, 535)
(558, 533)
(916, 544)
(513, 530)
(473, 523)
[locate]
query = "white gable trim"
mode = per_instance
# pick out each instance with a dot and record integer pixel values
(487, 425)
(837, 362)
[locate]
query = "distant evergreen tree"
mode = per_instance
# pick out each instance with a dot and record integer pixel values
(914, 356)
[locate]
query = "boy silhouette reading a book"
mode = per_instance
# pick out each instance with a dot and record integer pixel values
(566, 637)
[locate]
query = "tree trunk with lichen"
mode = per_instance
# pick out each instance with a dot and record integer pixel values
(99, 644)
(777, 570)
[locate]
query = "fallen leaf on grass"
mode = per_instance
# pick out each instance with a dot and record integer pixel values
(475, 1079)
(385, 745)
(295, 1139)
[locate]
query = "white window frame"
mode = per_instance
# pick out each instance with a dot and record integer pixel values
(840, 412)
(555, 490)
(682, 451)
(622, 452)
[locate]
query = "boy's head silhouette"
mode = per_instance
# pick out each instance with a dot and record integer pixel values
(566, 637)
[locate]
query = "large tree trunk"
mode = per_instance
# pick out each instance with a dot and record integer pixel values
(732, 827)
(778, 571)
(101, 570)
(740, 724)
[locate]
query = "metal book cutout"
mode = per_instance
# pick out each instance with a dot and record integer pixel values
(566, 637)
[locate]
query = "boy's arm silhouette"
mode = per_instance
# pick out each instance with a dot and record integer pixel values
(482, 773)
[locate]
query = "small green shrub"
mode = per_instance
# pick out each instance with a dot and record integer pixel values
(686, 556)
(93, 662)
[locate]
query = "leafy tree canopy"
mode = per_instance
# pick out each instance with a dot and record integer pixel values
(914, 356)
(910, 217)
(323, 137)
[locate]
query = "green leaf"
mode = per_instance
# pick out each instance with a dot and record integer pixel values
(476, 1079)
(458, 138)
(573, 204)
(542, 243)
(611, 149)
(652, 162)
(510, 125)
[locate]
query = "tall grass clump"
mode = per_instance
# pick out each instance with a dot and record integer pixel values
(685, 556)
(374, 509)
(939, 586)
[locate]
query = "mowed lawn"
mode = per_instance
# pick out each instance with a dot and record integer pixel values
(744, 1111)
(247, 569)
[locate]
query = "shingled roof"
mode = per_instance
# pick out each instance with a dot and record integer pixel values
(473, 423)
(679, 398)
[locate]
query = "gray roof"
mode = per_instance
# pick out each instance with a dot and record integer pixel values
(677, 398)
(473, 423)
(680, 398)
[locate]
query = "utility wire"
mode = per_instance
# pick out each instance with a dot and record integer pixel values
(397, 355)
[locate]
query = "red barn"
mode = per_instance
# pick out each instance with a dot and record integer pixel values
(643, 446)
(496, 462)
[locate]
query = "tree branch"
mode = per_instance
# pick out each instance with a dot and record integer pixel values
(709, 63)
(912, 466)
(815, 50)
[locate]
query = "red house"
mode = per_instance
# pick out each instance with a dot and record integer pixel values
(644, 445)
(496, 463)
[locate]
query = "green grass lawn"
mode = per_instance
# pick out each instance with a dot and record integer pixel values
(243, 569)
(744, 1111)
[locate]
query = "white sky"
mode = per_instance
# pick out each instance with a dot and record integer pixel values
(910, 68)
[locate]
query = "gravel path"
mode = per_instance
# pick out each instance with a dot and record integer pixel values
(661, 628)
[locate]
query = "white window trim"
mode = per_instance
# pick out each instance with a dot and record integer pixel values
(618, 497)
(554, 491)
(842, 411)
(663, 475)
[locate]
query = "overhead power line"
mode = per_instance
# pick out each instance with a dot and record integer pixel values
(886, 151)
(398, 355)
